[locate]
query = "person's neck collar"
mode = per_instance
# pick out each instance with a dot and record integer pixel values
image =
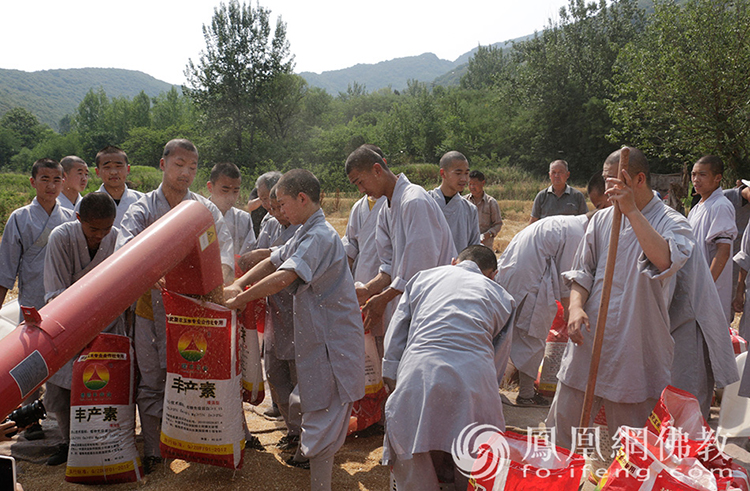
(559, 192)
(705, 198)
(174, 197)
(115, 193)
(71, 194)
(447, 192)
(643, 198)
(390, 185)
(47, 205)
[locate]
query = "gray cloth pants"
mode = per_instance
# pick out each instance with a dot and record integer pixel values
(691, 366)
(57, 401)
(323, 433)
(150, 352)
(565, 413)
(282, 377)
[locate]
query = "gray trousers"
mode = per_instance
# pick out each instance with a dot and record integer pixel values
(691, 366)
(323, 433)
(282, 377)
(150, 352)
(565, 413)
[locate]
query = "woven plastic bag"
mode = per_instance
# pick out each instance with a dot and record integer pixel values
(102, 414)
(513, 462)
(202, 418)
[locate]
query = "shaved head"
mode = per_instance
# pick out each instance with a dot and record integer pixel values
(637, 163)
(447, 160)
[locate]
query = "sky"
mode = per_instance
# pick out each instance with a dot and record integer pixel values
(158, 37)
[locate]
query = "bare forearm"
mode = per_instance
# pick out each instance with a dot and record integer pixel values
(269, 285)
(720, 260)
(741, 281)
(578, 297)
(259, 271)
(378, 284)
(250, 259)
(654, 246)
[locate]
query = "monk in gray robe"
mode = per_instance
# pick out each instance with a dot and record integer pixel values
(461, 214)
(445, 352)
(703, 353)
(74, 249)
(412, 232)
(636, 358)
(530, 270)
(328, 334)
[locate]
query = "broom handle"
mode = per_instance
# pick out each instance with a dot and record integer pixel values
(601, 320)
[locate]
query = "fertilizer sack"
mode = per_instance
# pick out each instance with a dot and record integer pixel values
(202, 418)
(102, 414)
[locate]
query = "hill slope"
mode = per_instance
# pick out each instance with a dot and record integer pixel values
(52, 94)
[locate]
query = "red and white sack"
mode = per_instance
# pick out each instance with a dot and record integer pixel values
(202, 418)
(506, 462)
(368, 410)
(557, 340)
(102, 414)
(677, 416)
(253, 390)
(645, 462)
(738, 342)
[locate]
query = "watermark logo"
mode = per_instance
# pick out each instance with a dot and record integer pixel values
(480, 450)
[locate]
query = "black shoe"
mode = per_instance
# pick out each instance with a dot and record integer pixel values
(272, 413)
(288, 442)
(60, 456)
(34, 432)
(536, 401)
(301, 464)
(252, 441)
(150, 463)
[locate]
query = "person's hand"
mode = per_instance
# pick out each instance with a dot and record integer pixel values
(738, 304)
(390, 384)
(236, 303)
(576, 319)
(363, 294)
(253, 204)
(231, 291)
(5, 428)
(622, 193)
(373, 311)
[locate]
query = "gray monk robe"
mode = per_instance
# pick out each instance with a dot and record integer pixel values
(22, 251)
(67, 260)
(446, 348)
(412, 236)
(529, 269)
(742, 260)
(462, 218)
(703, 352)
(328, 334)
(636, 358)
(240, 227)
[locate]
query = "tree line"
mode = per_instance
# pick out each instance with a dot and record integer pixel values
(673, 83)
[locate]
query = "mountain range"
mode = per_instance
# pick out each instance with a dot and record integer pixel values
(53, 94)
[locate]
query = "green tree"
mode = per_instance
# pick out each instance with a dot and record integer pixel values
(485, 68)
(24, 125)
(231, 79)
(563, 78)
(681, 90)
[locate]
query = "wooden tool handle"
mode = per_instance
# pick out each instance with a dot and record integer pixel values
(601, 320)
